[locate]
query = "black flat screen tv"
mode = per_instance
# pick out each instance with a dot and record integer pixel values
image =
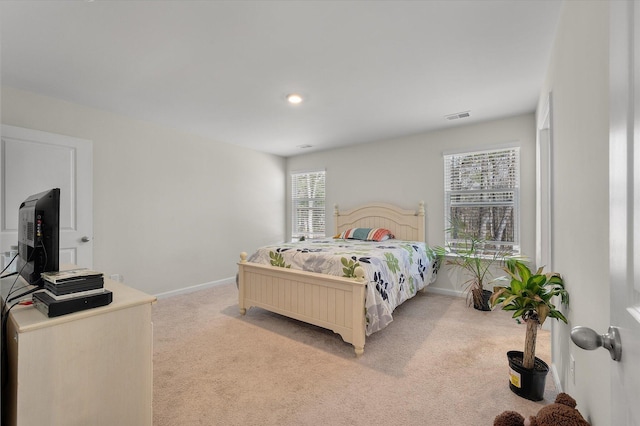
(39, 236)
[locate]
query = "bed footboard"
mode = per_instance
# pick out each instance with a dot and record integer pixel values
(331, 302)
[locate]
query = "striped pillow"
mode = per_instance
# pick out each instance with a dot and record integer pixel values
(366, 234)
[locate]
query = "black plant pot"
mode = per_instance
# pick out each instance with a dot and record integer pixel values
(524, 382)
(484, 303)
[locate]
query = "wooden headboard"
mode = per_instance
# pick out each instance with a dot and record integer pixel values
(404, 224)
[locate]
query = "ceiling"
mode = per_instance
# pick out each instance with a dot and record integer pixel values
(368, 70)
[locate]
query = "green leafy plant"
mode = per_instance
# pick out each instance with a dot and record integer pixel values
(529, 295)
(475, 257)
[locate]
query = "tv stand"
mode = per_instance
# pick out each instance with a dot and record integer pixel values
(89, 367)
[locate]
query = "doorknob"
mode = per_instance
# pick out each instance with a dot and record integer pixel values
(586, 338)
(85, 239)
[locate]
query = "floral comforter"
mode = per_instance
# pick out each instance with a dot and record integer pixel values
(395, 270)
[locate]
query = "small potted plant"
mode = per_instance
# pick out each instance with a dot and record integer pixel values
(529, 295)
(476, 258)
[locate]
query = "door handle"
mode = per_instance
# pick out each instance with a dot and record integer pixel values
(588, 339)
(85, 239)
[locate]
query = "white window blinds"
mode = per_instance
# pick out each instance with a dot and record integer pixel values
(482, 191)
(307, 200)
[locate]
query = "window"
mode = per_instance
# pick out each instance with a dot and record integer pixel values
(307, 199)
(481, 198)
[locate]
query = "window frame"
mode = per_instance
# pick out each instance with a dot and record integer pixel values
(512, 247)
(318, 212)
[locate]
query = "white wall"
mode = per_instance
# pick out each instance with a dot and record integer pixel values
(171, 210)
(408, 170)
(578, 80)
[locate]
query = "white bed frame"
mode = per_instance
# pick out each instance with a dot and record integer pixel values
(328, 301)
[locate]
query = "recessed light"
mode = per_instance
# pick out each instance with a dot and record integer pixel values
(304, 146)
(294, 98)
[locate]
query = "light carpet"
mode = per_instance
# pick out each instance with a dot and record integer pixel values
(438, 363)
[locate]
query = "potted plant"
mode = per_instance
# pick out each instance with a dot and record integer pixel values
(529, 295)
(476, 258)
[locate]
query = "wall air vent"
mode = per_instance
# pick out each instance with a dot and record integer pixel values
(457, 115)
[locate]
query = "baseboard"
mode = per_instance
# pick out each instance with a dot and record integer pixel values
(191, 289)
(556, 378)
(445, 291)
(196, 287)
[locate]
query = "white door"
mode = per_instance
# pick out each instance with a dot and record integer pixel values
(32, 161)
(624, 189)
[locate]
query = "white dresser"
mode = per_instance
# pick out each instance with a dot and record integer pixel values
(93, 367)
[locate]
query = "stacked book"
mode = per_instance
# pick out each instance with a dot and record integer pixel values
(70, 291)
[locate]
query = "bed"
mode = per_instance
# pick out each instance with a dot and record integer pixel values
(347, 284)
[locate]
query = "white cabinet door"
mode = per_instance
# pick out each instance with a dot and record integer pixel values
(32, 161)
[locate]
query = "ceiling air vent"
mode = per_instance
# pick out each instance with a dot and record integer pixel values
(457, 115)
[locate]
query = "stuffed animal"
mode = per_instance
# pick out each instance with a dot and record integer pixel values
(561, 413)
